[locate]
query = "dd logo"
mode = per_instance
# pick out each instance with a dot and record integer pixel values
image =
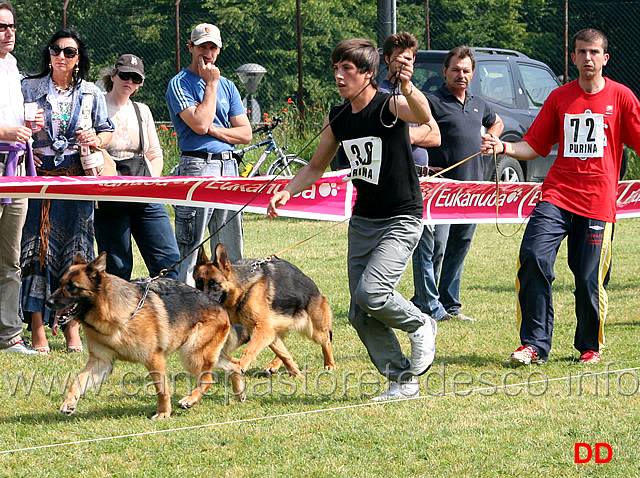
(589, 453)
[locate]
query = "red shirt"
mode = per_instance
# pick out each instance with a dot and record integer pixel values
(591, 129)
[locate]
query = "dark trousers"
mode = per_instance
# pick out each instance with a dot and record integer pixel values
(148, 224)
(589, 250)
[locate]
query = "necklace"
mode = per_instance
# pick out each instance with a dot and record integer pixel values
(60, 90)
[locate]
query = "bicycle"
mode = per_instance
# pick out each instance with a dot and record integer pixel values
(286, 165)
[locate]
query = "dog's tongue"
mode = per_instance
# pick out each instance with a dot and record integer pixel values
(61, 317)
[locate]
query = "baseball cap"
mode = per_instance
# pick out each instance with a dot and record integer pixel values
(130, 64)
(206, 32)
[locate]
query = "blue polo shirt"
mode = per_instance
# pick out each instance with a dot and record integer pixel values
(187, 89)
(461, 132)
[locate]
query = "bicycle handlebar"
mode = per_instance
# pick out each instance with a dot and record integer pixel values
(269, 127)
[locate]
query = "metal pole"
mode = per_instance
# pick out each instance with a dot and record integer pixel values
(178, 36)
(64, 13)
(566, 42)
(386, 20)
(428, 29)
(300, 70)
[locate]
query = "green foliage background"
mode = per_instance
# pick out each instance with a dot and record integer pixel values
(255, 31)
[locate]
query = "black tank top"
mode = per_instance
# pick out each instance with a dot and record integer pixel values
(384, 175)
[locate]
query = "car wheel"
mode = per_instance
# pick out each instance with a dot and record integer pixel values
(508, 170)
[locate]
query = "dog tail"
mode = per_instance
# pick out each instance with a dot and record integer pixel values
(238, 335)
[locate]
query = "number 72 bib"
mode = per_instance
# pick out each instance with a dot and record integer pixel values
(584, 135)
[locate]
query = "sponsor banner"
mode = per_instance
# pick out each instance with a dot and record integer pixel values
(331, 198)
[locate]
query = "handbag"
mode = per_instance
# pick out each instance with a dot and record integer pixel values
(136, 165)
(109, 164)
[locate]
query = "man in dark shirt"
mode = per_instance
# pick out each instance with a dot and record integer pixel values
(460, 116)
(387, 216)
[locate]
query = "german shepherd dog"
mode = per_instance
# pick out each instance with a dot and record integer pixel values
(145, 322)
(269, 298)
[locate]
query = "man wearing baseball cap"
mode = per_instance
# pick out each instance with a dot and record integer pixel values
(208, 115)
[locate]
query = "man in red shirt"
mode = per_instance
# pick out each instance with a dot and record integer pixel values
(591, 119)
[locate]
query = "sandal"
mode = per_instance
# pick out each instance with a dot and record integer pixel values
(43, 350)
(75, 349)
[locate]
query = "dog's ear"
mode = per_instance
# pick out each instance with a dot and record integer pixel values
(202, 257)
(78, 259)
(222, 258)
(98, 265)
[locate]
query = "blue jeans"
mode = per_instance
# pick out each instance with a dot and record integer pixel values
(452, 244)
(426, 296)
(192, 223)
(149, 224)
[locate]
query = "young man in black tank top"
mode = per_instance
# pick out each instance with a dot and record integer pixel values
(387, 217)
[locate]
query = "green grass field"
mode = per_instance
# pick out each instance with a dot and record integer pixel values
(467, 423)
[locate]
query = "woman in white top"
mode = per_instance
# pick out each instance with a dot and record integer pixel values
(136, 151)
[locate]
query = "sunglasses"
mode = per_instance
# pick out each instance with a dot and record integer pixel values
(69, 52)
(125, 76)
(4, 26)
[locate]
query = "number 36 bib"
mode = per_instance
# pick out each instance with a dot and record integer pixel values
(584, 135)
(365, 158)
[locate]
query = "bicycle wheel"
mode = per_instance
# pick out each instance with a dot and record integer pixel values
(293, 165)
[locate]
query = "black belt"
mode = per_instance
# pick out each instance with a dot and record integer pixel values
(209, 156)
(422, 171)
(5, 156)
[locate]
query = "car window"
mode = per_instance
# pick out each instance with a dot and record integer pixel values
(538, 83)
(427, 76)
(495, 82)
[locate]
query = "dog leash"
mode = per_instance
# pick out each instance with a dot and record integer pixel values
(258, 263)
(441, 172)
(144, 295)
(264, 260)
(495, 162)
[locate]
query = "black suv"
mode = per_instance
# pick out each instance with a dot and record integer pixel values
(514, 84)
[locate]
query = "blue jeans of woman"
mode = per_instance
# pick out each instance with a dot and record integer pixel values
(149, 224)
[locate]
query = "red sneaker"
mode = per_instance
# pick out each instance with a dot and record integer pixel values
(590, 356)
(525, 354)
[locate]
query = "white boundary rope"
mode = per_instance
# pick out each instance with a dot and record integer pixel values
(322, 410)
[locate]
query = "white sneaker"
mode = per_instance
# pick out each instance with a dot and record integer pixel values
(400, 390)
(21, 347)
(423, 347)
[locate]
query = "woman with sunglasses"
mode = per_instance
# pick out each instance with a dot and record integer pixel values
(136, 150)
(75, 114)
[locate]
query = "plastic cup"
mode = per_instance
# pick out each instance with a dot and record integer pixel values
(30, 111)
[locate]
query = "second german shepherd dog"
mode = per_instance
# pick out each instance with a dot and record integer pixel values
(269, 298)
(145, 322)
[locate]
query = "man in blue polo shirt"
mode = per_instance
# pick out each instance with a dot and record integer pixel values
(460, 116)
(207, 113)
